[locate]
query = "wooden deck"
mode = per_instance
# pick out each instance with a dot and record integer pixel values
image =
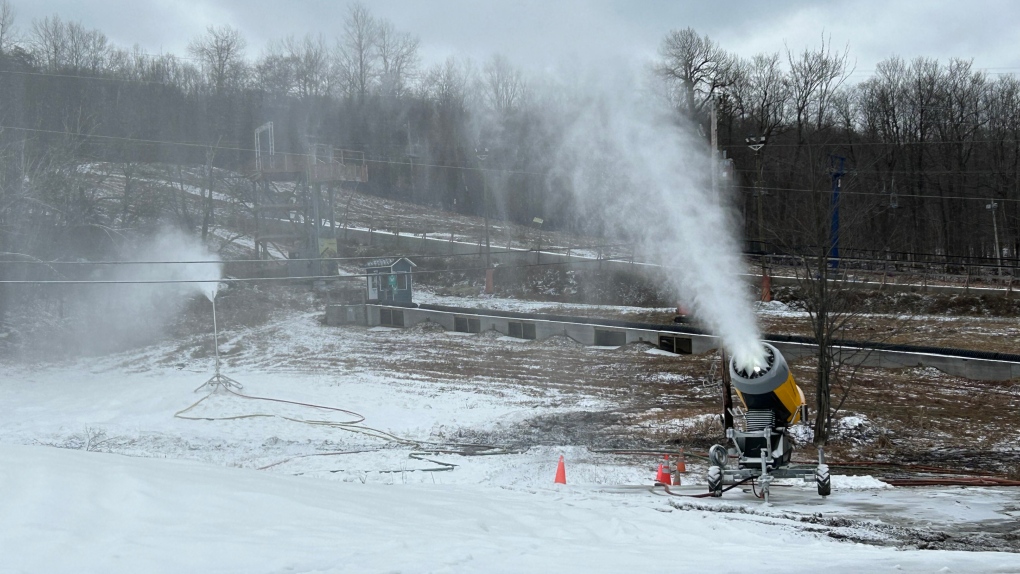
(345, 165)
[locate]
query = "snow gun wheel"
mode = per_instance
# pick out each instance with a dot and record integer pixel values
(715, 481)
(822, 480)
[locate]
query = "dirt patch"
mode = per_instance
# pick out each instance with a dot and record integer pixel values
(974, 537)
(560, 342)
(427, 327)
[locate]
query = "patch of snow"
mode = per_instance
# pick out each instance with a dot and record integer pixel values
(841, 482)
(777, 309)
(802, 433)
(422, 295)
(853, 421)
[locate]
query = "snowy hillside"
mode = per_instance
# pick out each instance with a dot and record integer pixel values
(276, 478)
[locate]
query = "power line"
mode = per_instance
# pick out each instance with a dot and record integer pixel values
(84, 77)
(550, 250)
(252, 150)
(485, 170)
(467, 168)
(258, 279)
(406, 163)
(908, 172)
(890, 144)
(878, 194)
(921, 257)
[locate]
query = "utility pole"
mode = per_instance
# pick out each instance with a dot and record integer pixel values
(483, 154)
(410, 156)
(837, 167)
(316, 231)
(727, 392)
(207, 216)
(485, 195)
(756, 143)
(993, 207)
(715, 150)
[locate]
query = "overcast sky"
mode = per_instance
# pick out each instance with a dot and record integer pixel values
(543, 33)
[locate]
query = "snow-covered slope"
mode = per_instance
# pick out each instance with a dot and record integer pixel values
(253, 485)
(72, 511)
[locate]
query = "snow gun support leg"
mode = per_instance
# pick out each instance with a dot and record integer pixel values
(218, 381)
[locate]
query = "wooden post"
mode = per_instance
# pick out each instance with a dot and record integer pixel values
(255, 208)
(727, 393)
(332, 212)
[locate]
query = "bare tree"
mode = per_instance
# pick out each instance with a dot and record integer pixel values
(87, 50)
(8, 34)
(296, 67)
(221, 53)
(207, 195)
(274, 72)
(313, 72)
(48, 42)
(308, 60)
(827, 293)
(447, 83)
(176, 180)
(696, 67)
(504, 85)
(398, 58)
(766, 94)
(357, 56)
(1003, 105)
(814, 77)
(60, 44)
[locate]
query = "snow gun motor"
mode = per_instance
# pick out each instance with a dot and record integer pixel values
(772, 402)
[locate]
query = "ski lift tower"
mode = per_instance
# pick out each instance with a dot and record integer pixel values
(298, 219)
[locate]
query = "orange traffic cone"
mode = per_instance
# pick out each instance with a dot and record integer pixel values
(681, 465)
(663, 476)
(561, 472)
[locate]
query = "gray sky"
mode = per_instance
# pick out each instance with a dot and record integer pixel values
(543, 33)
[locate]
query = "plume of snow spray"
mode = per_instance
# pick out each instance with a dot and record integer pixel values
(173, 256)
(131, 313)
(635, 168)
(209, 288)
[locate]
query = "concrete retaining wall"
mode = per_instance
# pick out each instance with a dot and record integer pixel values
(593, 334)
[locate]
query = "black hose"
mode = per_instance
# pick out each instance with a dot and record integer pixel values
(703, 494)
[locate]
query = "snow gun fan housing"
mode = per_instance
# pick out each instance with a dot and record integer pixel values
(761, 448)
(770, 391)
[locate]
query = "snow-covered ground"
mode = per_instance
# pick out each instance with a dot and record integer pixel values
(423, 295)
(68, 511)
(252, 484)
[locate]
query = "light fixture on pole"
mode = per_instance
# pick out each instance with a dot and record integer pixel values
(993, 206)
(756, 143)
(482, 155)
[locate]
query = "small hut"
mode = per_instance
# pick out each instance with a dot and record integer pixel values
(389, 279)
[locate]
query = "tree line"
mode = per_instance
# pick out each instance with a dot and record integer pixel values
(929, 150)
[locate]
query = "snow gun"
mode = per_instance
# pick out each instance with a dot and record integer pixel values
(761, 449)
